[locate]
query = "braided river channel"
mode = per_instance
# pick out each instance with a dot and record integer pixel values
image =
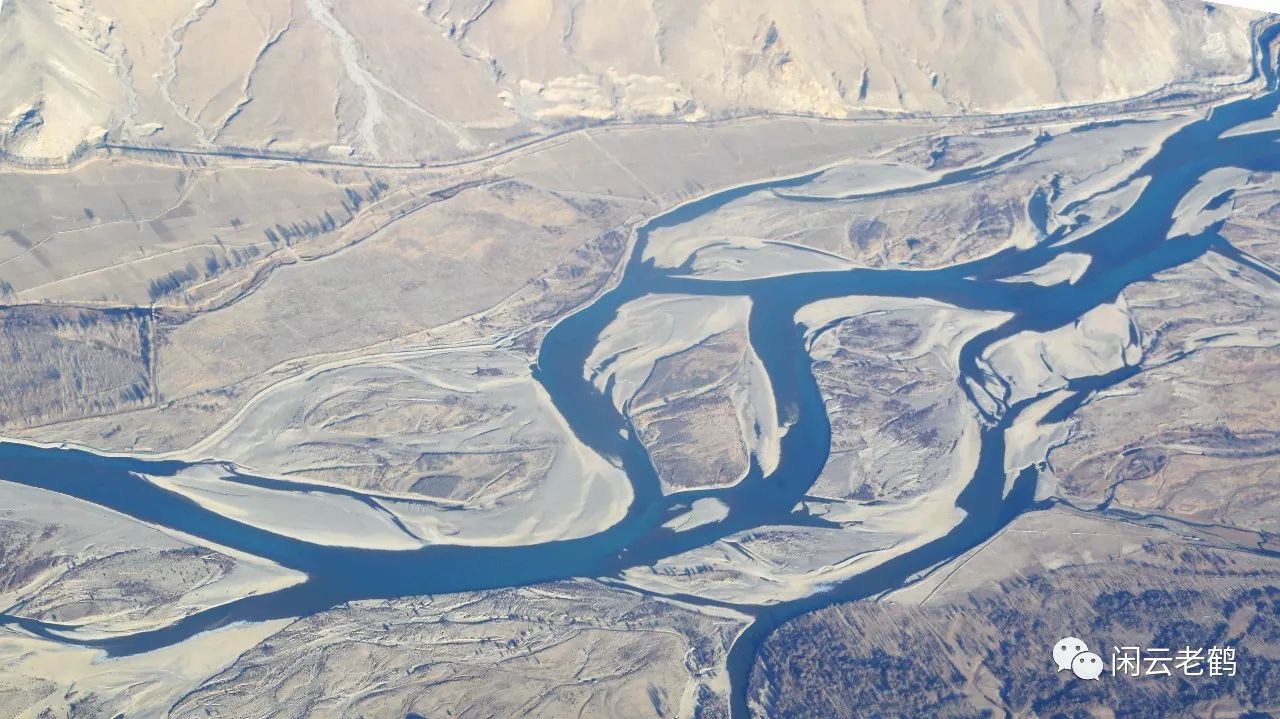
(1130, 247)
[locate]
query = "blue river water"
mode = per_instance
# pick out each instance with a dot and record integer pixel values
(1129, 248)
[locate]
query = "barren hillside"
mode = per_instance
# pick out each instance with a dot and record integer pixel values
(420, 80)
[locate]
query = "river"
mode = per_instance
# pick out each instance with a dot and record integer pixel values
(1128, 248)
